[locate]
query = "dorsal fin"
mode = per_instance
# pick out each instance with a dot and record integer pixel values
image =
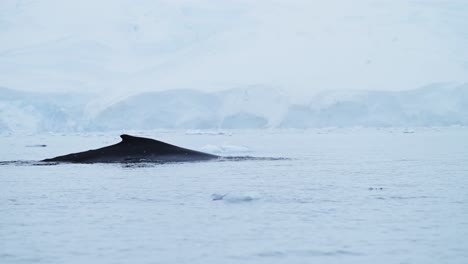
(128, 138)
(142, 140)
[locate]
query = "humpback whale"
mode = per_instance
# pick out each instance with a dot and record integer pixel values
(135, 149)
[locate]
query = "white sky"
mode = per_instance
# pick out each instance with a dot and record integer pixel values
(301, 46)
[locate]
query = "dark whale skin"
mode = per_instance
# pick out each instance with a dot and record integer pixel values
(135, 149)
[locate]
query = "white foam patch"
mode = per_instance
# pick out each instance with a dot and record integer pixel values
(225, 149)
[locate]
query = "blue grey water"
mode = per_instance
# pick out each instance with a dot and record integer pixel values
(342, 196)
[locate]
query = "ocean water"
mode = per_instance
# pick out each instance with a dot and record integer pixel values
(338, 196)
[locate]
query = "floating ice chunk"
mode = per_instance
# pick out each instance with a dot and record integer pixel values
(234, 198)
(207, 132)
(217, 197)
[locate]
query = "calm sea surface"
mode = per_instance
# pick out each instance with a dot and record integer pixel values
(341, 196)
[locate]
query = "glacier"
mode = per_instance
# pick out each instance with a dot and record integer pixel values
(254, 107)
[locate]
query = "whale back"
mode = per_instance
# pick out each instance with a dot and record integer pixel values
(151, 146)
(135, 149)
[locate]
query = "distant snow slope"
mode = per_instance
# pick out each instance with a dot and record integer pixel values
(249, 108)
(302, 45)
(429, 106)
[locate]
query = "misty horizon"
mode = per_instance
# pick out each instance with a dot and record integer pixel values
(300, 47)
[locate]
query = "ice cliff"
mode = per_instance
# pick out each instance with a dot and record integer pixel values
(242, 108)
